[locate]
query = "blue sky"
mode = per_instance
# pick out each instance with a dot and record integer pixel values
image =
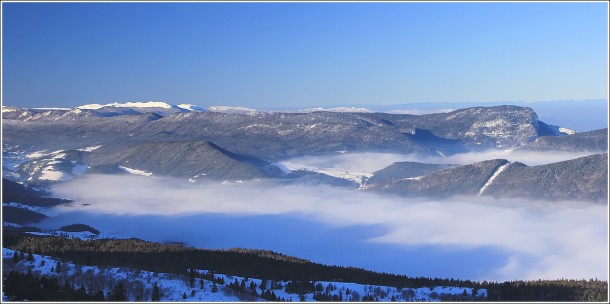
(302, 54)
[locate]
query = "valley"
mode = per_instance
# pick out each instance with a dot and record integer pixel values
(393, 193)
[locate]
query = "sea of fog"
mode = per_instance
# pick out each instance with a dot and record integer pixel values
(462, 237)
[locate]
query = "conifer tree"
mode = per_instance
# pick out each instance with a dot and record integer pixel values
(191, 277)
(118, 294)
(156, 296)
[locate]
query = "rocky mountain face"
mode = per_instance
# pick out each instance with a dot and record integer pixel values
(595, 141)
(584, 178)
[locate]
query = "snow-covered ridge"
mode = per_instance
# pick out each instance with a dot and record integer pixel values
(7, 109)
(150, 104)
(51, 109)
(232, 110)
(190, 107)
(336, 109)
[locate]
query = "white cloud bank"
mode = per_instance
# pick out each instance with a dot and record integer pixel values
(543, 239)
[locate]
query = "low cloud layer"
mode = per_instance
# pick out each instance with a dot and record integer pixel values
(537, 239)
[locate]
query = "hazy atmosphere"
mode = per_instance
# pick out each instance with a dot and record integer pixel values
(302, 54)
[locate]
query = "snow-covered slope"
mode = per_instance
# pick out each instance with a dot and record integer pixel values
(233, 110)
(158, 107)
(150, 104)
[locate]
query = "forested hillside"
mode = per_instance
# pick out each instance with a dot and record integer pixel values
(267, 265)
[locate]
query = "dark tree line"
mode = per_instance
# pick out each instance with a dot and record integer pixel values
(175, 258)
(548, 290)
(27, 287)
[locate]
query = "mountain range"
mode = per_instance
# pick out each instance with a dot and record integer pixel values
(188, 142)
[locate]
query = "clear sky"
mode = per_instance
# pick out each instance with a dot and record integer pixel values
(302, 54)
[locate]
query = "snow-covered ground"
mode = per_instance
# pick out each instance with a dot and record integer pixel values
(139, 283)
(173, 287)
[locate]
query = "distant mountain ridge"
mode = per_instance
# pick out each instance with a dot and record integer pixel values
(596, 140)
(280, 135)
(187, 159)
(139, 138)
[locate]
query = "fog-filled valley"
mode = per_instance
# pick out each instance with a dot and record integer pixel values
(456, 237)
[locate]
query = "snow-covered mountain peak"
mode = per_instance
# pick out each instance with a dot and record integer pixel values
(137, 104)
(7, 109)
(190, 107)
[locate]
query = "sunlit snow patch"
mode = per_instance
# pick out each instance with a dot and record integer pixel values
(90, 149)
(567, 131)
(36, 154)
(491, 179)
(135, 171)
(51, 175)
